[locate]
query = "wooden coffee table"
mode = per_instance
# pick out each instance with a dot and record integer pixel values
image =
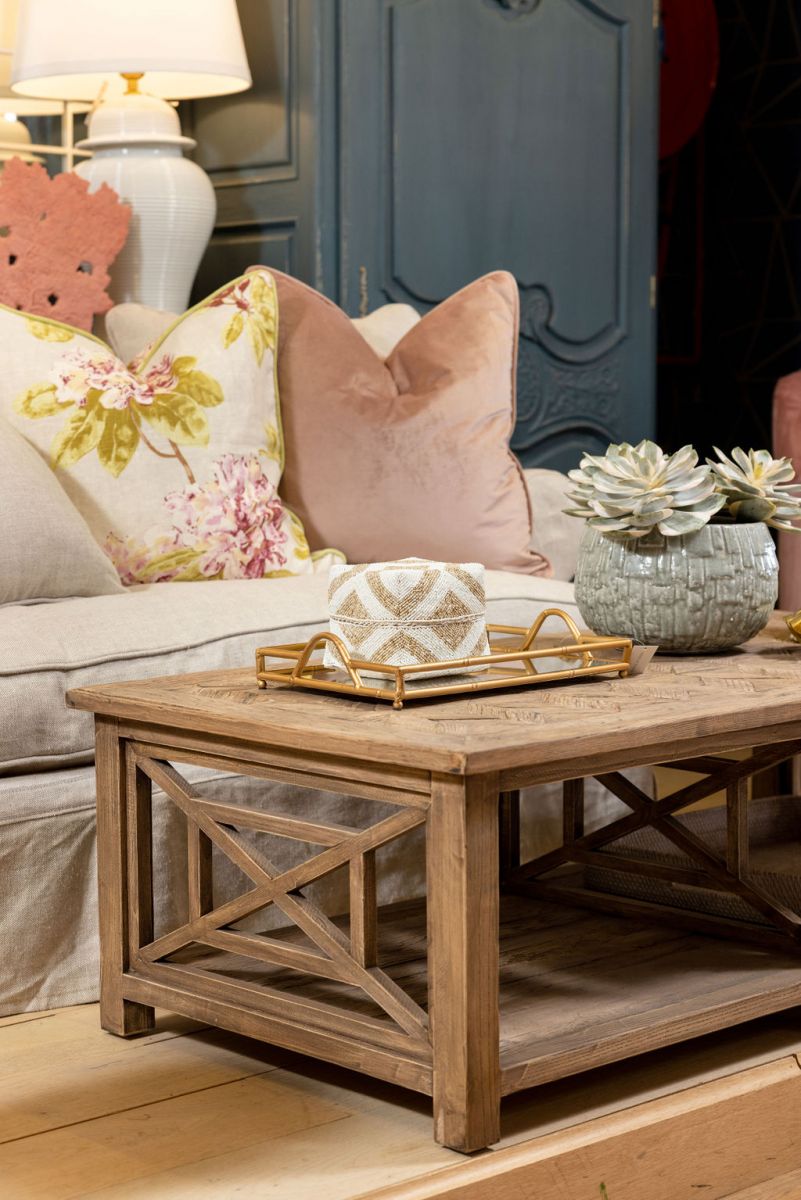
(428, 995)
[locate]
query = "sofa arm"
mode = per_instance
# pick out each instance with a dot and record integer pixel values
(555, 535)
(787, 444)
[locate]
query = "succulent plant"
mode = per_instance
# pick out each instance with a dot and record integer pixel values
(632, 490)
(758, 487)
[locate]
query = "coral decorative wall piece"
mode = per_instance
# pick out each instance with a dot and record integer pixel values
(57, 242)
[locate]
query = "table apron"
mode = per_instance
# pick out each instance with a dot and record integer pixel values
(599, 762)
(306, 768)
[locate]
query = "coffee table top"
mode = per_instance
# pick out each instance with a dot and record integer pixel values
(680, 705)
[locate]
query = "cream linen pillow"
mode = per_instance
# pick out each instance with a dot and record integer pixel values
(128, 328)
(46, 549)
(174, 461)
(383, 328)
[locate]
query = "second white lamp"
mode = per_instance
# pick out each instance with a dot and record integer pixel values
(135, 57)
(15, 140)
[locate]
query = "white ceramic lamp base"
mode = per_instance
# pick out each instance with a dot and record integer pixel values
(138, 151)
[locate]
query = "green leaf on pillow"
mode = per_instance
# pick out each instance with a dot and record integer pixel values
(273, 448)
(178, 418)
(46, 332)
(263, 300)
(182, 560)
(119, 441)
(259, 338)
(38, 401)
(302, 549)
(260, 291)
(80, 435)
(182, 364)
(233, 329)
(203, 388)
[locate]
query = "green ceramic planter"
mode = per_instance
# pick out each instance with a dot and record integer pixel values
(705, 592)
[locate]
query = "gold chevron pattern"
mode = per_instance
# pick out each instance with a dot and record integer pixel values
(408, 612)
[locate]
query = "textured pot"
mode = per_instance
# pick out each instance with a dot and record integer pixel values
(706, 591)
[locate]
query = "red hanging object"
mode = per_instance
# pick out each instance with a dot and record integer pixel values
(689, 70)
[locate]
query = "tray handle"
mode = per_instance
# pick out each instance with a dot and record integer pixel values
(573, 628)
(315, 643)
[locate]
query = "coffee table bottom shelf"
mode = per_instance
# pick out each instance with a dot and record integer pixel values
(578, 989)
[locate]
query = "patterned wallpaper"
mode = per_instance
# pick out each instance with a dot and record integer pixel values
(730, 238)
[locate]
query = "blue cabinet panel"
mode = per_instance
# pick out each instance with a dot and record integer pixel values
(477, 134)
(397, 149)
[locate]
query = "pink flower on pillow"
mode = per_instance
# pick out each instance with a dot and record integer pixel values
(234, 520)
(236, 293)
(79, 372)
(135, 560)
(113, 406)
(254, 302)
(161, 376)
(231, 527)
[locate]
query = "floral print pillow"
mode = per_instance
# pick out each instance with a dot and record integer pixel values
(175, 459)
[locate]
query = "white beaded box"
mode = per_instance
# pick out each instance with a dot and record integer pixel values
(408, 612)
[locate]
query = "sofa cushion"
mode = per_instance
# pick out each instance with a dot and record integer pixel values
(46, 548)
(153, 630)
(174, 462)
(556, 534)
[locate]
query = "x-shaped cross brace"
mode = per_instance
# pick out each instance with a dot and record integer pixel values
(283, 889)
(711, 871)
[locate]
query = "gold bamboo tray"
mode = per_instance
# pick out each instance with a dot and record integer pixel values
(516, 659)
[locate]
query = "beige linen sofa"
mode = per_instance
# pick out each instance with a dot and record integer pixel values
(48, 900)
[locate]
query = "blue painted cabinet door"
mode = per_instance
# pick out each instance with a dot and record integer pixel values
(478, 134)
(264, 149)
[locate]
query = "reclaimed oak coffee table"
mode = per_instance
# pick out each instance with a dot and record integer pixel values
(503, 978)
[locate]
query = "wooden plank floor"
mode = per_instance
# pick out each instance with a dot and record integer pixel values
(197, 1113)
(786, 1187)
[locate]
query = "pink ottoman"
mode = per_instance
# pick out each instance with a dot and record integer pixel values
(787, 443)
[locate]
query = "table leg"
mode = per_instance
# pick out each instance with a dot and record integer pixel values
(572, 811)
(117, 1015)
(462, 863)
(509, 833)
(363, 910)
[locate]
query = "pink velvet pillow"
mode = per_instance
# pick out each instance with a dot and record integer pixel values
(408, 456)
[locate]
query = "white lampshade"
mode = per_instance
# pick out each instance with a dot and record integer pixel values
(9, 102)
(8, 25)
(68, 49)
